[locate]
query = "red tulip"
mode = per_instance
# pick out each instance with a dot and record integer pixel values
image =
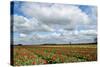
(33, 62)
(45, 62)
(54, 58)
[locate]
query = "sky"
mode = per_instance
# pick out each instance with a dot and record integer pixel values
(39, 23)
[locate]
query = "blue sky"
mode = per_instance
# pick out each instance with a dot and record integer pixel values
(38, 23)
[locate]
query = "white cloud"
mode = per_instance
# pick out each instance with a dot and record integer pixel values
(52, 14)
(22, 24)
(59, 23)
(46, 36)
(22, 35)
(89, 32)
(25, 25)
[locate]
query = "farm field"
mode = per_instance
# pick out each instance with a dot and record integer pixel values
(49, 54)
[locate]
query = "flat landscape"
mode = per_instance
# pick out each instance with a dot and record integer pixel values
(52, 33)
(52, 54)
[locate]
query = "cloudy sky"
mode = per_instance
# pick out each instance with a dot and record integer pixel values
(38, 23)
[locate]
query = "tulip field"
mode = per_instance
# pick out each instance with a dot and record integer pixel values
(36, 55)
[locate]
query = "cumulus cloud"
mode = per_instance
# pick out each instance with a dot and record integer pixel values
(21, 24)
(52, 14)
(25, 25)
(54, 23)
(88, 32)
(22, 35)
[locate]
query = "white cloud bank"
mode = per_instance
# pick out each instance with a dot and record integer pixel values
(60, 22)
(55, 14)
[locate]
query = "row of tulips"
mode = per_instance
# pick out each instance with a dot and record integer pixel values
(23, 56)
(50, 55)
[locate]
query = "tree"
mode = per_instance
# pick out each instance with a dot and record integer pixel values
(20, 44)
